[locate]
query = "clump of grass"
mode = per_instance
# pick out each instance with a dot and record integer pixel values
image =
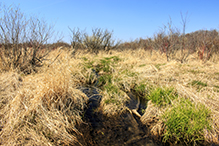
(195, 71)
(45, 111)
(106, 63)
(217, 73)
(162, 96)
(159, 65)
(142, 90)
(198, 84)
(129, 73)
(185, 123)
(142, 65)
(216, 86)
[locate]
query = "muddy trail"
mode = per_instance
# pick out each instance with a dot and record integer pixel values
(125, 128)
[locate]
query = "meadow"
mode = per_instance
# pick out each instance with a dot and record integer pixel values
(47, 107)
(98, 91)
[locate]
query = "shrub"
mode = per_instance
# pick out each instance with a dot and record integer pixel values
(23, 40)
(99, 40)
(185, 122)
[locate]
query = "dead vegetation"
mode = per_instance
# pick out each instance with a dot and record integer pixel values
(46, 107)
(46, 90)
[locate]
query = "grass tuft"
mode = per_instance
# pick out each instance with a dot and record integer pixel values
(162, 96)
(186, 122)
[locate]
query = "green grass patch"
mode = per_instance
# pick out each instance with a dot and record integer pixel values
(159, 65)
(106, 63)
(217, 73)
(103, 64)
(216, 86)
(112, 100)
(195, 71)
(110, 88)
(198, 84)
(162, 96)
(129, 73)
(185, 123)
(88, 64)
(142, 90)
(142, 65)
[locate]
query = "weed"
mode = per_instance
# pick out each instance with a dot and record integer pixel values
(195, 71)
(112, 100)
(217, 73)
(88, 64)
(106, 63)
(104, 79)
(141, 89)
(110, 88)
(198, 84)
(162, 97)
(129, 73)
(216, 86)
(84, 58)
(142, 65)
(186, 122)
(159, 65)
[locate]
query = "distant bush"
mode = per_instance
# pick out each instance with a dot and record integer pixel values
(99, 40)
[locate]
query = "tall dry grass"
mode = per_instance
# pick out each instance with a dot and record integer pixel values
(45, 108)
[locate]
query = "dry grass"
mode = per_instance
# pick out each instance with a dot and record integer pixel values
(44, 108)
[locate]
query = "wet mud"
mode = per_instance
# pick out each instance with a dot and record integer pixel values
(122, 129)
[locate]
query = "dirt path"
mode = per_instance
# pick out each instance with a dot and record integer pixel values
(123, 129)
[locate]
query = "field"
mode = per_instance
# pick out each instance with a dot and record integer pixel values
(130, 97)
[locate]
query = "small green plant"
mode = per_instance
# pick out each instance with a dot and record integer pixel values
(112, 100)
(140, 90)
(198, 84)
(217, 73)
(195, 71)
(104, 79)
(88, 64)
(162, 96)
(106, 63)
(185, 122)
(129, 73)
(111, 88)
(159, 65)
(142, 65)
(216, 86)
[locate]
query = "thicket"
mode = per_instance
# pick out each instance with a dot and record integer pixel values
(99, 40)
(23, 40)
(177, 45)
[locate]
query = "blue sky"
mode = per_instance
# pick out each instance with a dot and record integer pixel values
(129, 19)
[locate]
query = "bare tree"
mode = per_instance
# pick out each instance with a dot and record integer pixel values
(22, 39)
(184, 52)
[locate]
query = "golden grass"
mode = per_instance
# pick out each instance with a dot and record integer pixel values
(44, 108)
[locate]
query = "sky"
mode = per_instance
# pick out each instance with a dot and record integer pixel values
(128, 19)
